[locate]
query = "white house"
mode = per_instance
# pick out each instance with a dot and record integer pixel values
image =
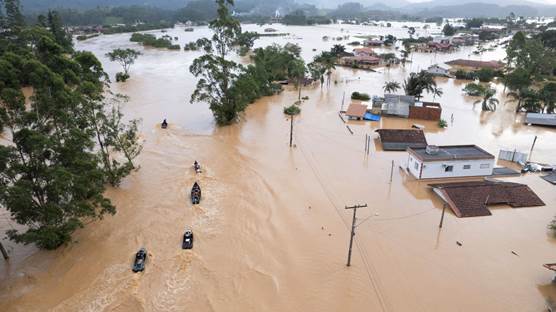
(438, 70)
(433, 162)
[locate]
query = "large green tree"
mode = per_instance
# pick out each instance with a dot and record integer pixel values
(417, 83)
(52, 177)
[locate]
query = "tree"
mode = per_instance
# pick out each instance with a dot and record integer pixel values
(296, 70)
(411, 31)
(338, 50)
(52, 179)
(14, 18)
(328, 62)
(218, 74)
(317, 71)
(391, 86)
(448, 30)
(417, 83)
(473, 23)
(488, 101)
(292, 111)
(55, 26)
(126, 58)
(548, 96)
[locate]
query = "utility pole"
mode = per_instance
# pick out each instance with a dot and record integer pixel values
(353, 229)
(442, 216)
(4, 252)
(291, 130)
(532, 147)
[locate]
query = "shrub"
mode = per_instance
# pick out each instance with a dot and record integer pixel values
(465, 75)
(121, 77)
(360, 96)
(485, 74)
(442, 123)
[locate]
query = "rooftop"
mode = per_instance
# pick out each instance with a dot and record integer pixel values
(451, 152)
(356, 110)
(476, 64)
(470, 199)
(401, 139)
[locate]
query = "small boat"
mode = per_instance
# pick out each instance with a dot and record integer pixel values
(197, 167)
(196, 194)
(140, 259)
(164, 124)
(187, 239)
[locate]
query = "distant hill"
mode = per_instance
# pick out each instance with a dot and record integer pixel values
(31, 6)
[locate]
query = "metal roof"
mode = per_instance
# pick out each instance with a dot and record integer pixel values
(452, 152)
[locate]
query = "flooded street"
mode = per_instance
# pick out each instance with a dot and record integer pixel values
(271, 233)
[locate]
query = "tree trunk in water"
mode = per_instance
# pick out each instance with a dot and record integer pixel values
(291, 130)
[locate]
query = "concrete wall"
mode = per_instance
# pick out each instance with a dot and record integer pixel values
(437, 169)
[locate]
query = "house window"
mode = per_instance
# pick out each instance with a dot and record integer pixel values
(485, 166)
(449, 169)
(416, 166)
(466, 166)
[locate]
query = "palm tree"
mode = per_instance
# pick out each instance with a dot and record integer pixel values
(338, 50)
(416, 83)
(436, 92)
(391, 86)
(489, 102)
(296, 70)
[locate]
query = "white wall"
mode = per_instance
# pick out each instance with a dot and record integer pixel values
(437, 169)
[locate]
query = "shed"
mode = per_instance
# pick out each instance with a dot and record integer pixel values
(541, 119)
(356, 111)
(470, 199)
(401, 139)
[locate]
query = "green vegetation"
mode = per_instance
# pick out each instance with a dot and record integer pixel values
(465, 75)
(126, 58)
(298, 17)
(417, 83)
(229, 87)
(488, 101)
(391, 86)
(191, 46)
(86, 37)
(530, 64)
(66, 143)
(360, 96)
(292, 110)
(107, 30)
(442, 123)
(448, 30)
(151, 41)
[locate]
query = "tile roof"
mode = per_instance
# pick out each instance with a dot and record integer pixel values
(401, 139)
(356, 110)
(470, 199)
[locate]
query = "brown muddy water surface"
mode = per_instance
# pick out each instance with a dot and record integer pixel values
(271, 232)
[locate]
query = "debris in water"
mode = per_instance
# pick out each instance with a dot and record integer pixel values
(459, 244)
(515, 253)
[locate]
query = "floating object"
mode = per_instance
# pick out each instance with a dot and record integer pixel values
(515, 253)
(371, 117)
(197, 167)
(164, 124)
(140, 259)
(187, 239)
(459, 244)
(196, 194)
(551, 178)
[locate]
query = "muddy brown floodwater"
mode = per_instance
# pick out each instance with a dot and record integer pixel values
(271, 232)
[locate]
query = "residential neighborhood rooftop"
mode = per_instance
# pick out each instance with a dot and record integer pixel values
(470, 199)
(356, 110)
(401, 139)
(476, 64)
(450, 152)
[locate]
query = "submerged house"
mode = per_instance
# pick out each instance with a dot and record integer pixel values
(453, 161)
(401, 139)
(438, 70)
(471, 199)
(541, 119)
(475, 65)
(397, 105)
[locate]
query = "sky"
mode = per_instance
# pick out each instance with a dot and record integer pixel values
(538, 1)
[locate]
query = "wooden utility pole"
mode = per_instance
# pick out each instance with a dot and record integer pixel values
(532, 147)
(391, 171)
(353, 229)
(291, 130)
(442, 216)
(343, 99)
(4, 252)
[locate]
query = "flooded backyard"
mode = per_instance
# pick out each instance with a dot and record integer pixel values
(272, 231)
